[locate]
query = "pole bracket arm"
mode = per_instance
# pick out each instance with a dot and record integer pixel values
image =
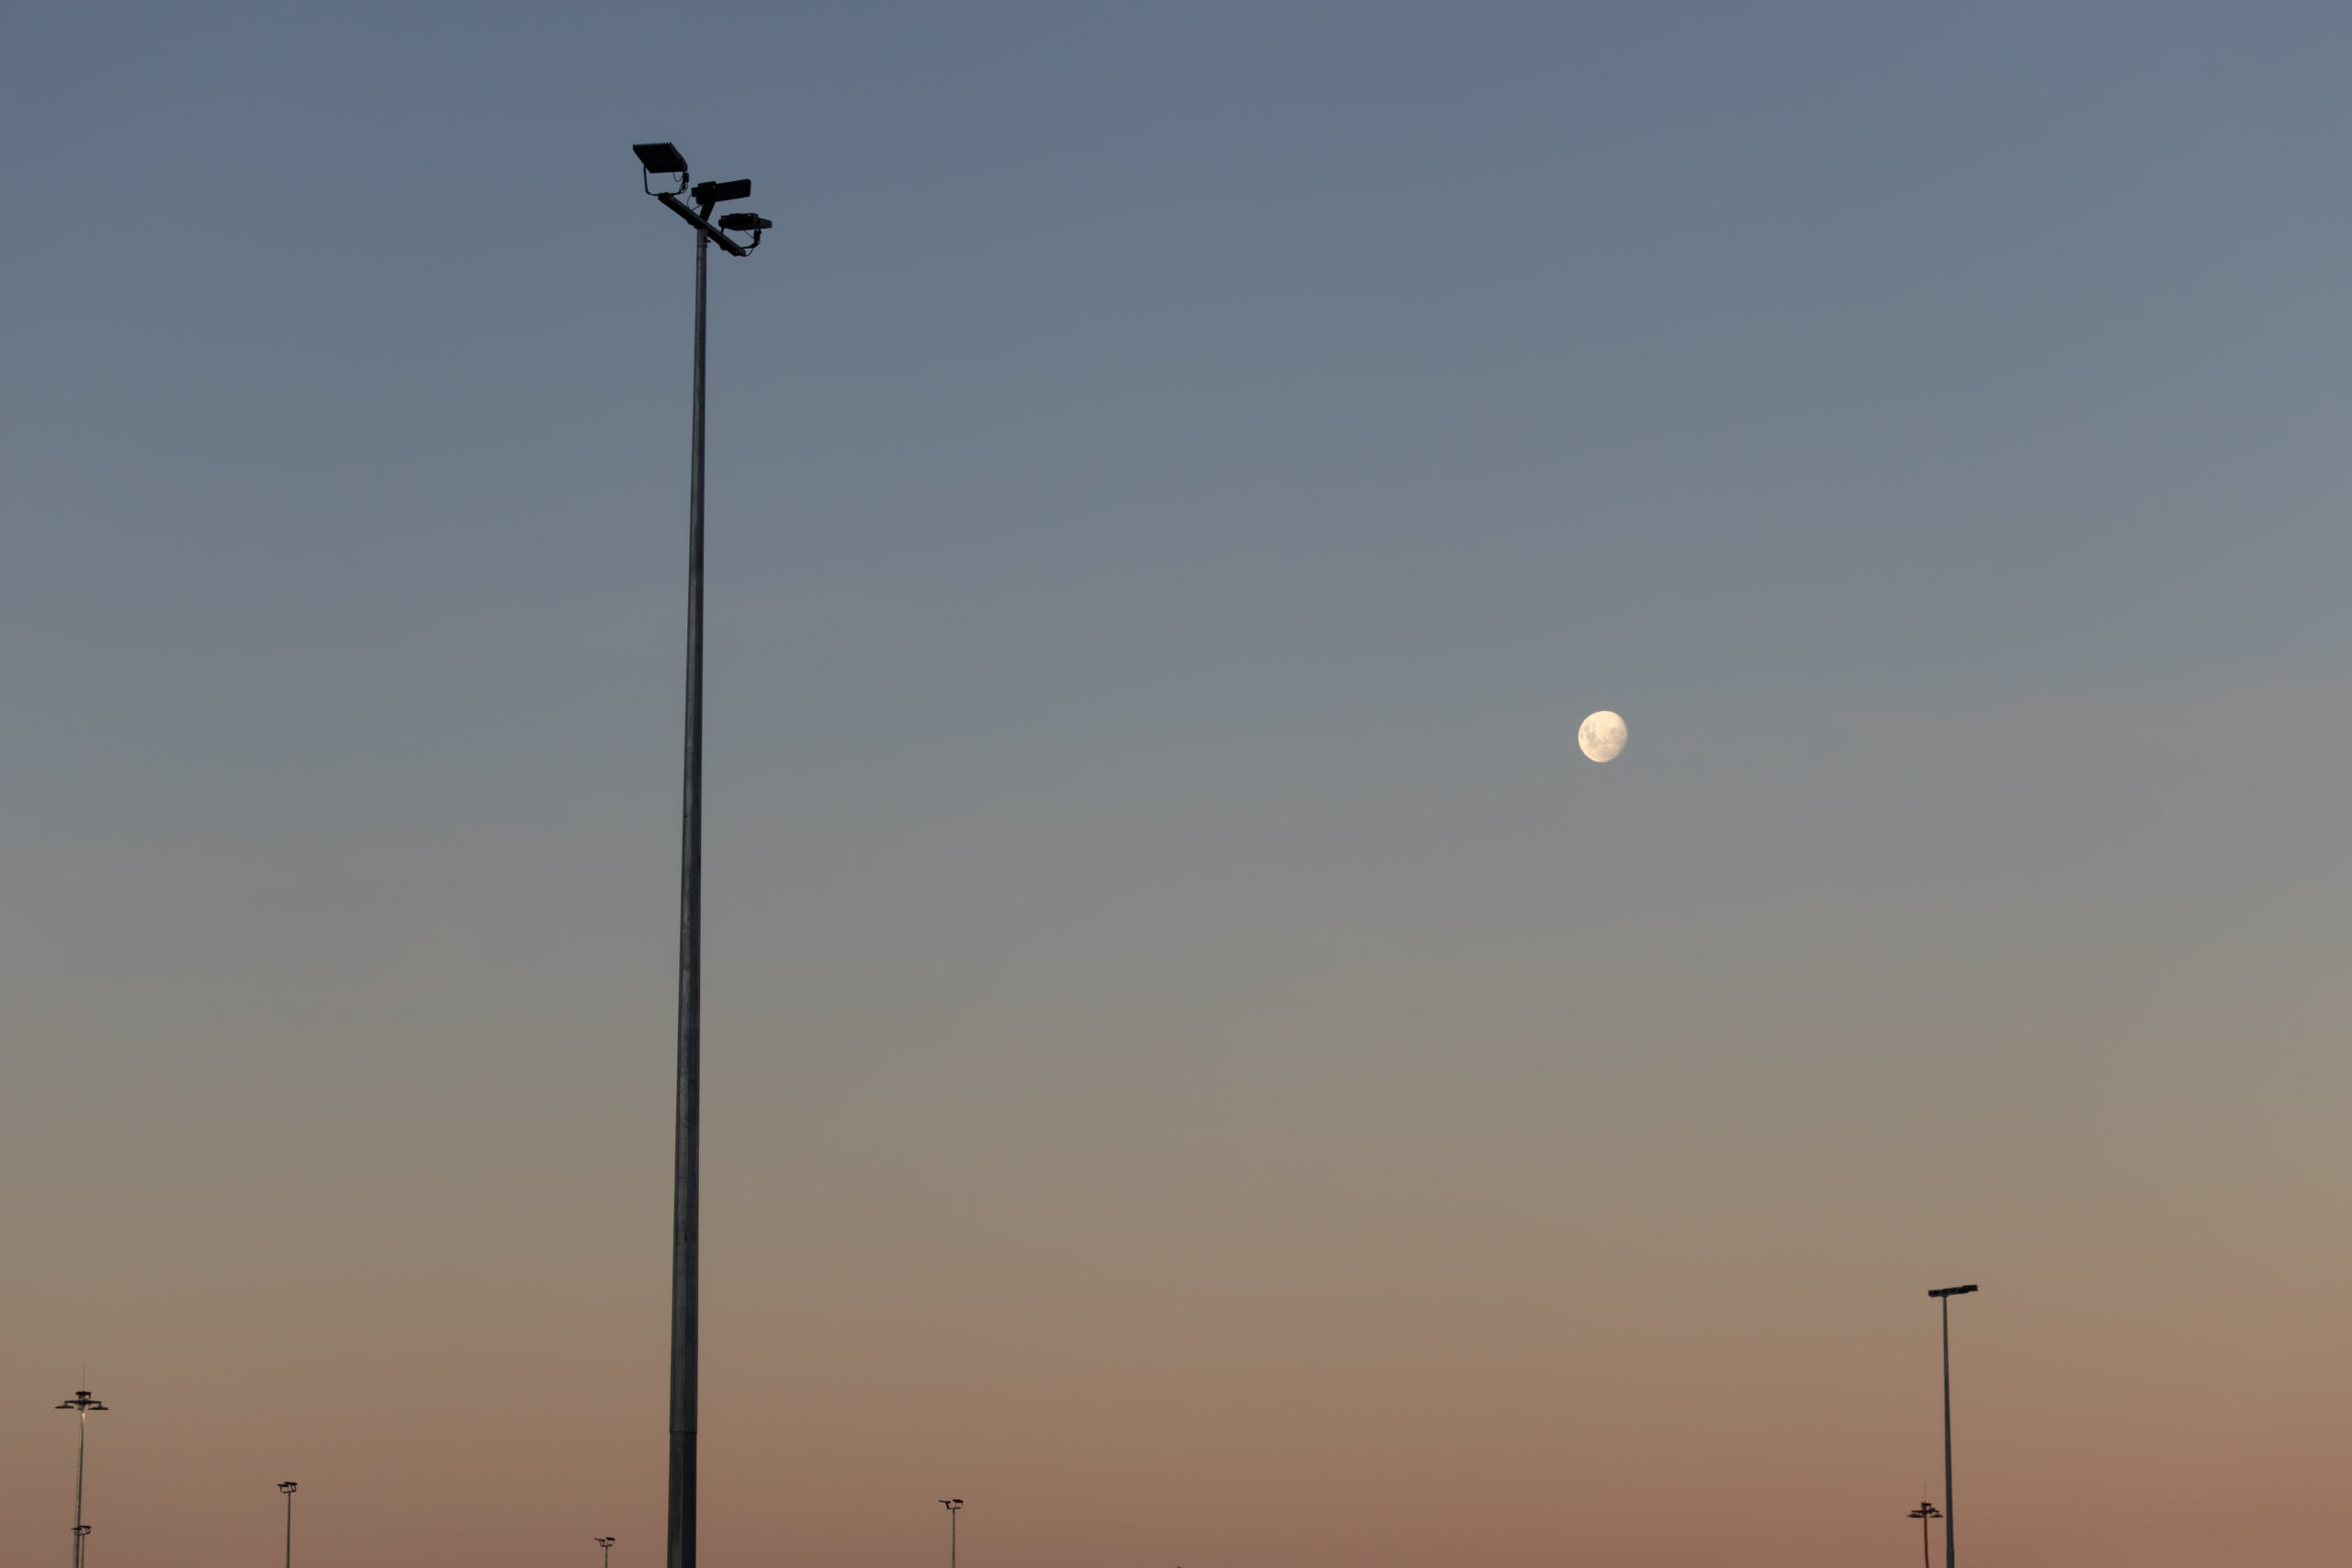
(700, 220)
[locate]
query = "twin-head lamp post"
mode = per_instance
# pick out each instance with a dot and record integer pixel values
(663, 160)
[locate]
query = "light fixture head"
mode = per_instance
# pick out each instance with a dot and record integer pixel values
(1955, 1291)
(286, 1487)
(710, 193)
(750, 223)
(660, 158)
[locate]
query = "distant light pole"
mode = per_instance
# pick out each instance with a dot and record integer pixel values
(81, 1405)
(288, 1487)
(953, 1506)
(685, 1234)
(1952, 1537)
(606, 1542)
(1923, 1512)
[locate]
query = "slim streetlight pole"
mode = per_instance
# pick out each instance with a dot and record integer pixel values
(953, 1506)
(1951, 1537)
(685, 1234)
(1923, 1512)
(606, 1542)
(288, 1487)
(81, 1405)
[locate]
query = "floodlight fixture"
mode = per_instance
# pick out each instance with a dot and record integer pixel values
(750, 223)
(1952, 1290)
(710, 193)
(660, 158)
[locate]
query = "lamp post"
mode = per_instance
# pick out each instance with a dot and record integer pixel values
(81, 1405)
(1923, 1512)
(288, 1487)
(953, 1506)
(606, 1542)
(686, 1265)
(1952, 1537)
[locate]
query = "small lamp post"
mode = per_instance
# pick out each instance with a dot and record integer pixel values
(81, 1405)
(1943, 1299)
(606, 1542)
(1923, 1512)
(288, 1487)
(953, 1506)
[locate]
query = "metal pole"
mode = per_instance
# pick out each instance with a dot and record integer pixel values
(686, 1227)
(289, 1530)
(1952, 1536)
(81, 1405)
(951, 1536)
(81, 1453)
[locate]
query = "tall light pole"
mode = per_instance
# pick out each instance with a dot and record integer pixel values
(953, 1506)
(81, 1405)
(1951, 1537)
(686, 1232)
(1923, 1512)
(606, 1542)
(288, 1487)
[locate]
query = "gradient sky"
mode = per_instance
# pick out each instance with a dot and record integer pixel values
(1199, 1066)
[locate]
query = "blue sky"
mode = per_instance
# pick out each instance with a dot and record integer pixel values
(1179, 475)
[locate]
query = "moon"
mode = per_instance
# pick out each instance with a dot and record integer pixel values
(1603, 736)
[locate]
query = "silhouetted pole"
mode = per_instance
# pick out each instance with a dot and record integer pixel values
(686, 1232)
(953, 1506)
(81, 1405)
(288, 1487)
(1952, 1536)
(1923, 1512)
(606, 1542)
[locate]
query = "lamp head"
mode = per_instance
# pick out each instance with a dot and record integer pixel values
(286, 1487)
(750, 223)
(660, 158)
(1953, 1291)
(710, 193)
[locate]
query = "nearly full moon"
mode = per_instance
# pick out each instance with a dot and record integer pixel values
(1603, 736)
